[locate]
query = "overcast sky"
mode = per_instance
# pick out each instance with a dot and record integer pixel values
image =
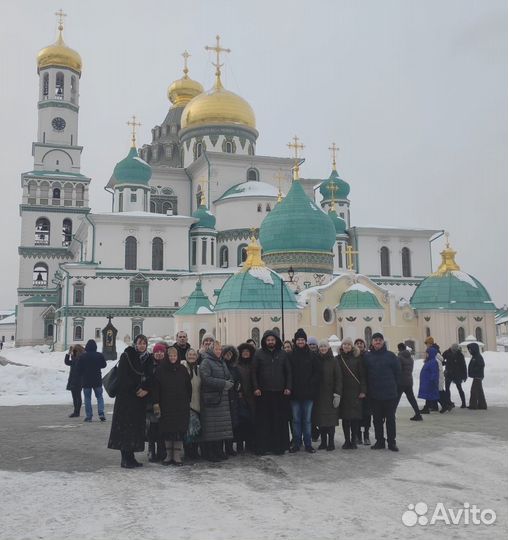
(415, 93)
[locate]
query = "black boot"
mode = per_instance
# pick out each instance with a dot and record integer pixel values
(331, 439)
(152, 455)
(229, 448)
(346, 428)
(324, 438)
(366, 438)
(212, 453)
(161, 450)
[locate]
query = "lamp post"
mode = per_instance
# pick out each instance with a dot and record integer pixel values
(291, 275)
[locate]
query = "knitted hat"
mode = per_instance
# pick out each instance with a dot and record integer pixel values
(378, 335)
(207, 336)
(347, 340)
(300, 333)
(312, 341)
(159, 347)
(323, 343)
(359, 339)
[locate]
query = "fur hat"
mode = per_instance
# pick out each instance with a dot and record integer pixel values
(377, 335)
(246, 347)
(159, 347)
(300, 333)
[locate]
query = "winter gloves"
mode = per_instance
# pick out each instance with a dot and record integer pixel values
(228, 385)
(157, 410)
(336, 400)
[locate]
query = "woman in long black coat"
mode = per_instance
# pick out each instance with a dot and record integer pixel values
(129, 413)
(74, 381)
(172, 393)
(230, 356)
(354, 389)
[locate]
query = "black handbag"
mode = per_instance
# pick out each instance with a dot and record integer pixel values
(110, 381)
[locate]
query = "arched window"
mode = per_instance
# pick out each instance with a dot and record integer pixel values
(427, 331)
(461, 334)
(478, 334)
(260, 207)
(80, 195)
(66, 232)
(131, 253)
(44, 192)
(73, 89)
(252, 175)
(136, 330)
(268, 207)
(157, 254)
(202, 332)
(56, 193)
(224, 257)
(255, 334)
(45, 86)
(153, 207)
(250, 151)
(241, 254)
(229, 147)
(167, 208)
(138, 295)
(341, 333)
(78, 296)
(42, 232)
(406, 262)
(368, 335)
(199, 149)
(49, 330)
(67, 193)
(40, 275)
(385, 261)
(78, 333)
(59, 86)
(32, 189)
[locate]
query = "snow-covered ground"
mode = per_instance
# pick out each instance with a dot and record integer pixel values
(42, 377)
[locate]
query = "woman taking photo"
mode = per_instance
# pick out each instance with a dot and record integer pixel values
(74, 381)
(215, 411)
(129, 413)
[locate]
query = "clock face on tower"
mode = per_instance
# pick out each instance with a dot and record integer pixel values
(58, 123)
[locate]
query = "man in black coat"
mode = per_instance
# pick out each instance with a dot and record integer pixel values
(455, 372)
(383, 380)
(272, 383)
(89, 367)
(306, 374)
(182, 344)
(406, 380)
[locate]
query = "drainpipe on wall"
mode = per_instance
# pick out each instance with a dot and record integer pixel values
(93, 237)
(188, 236)
(67, 277)
(208, 183)
(112, 193)
(81, 247)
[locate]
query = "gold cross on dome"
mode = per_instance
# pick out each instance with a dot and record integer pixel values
(295, 146)
(333, 189)
(133, 125)
(203, 182)
(334, 149)
(447, 237)
(350, 256)
(218, 49)
(186, 55)
(279, 177)
(60, 14)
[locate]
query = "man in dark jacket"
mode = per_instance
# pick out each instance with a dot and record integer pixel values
(306, 374)
(475, 371)
(383, 380)
(455, 372)
(272, 383)
(182, 344)
(89, 367)
(406, 380)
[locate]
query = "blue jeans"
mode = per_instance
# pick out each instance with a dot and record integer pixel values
(87, 392)
(302, 421)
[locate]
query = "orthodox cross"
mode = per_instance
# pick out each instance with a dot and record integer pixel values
(350, 256)
(60, 14)
(133, 125)
(203, 183)
(447, 236)
(334, 149)
(218, 49)
(295, 146)
(333, 189)
(109, 317)
(186, 57)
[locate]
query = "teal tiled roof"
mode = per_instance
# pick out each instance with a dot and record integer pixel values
(341, 187)
(452, 290)
(206, 218)
(338, 222)
(359, 297)
(197, 303)
(132, 170)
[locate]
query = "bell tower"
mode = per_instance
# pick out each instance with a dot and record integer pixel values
(55, 194)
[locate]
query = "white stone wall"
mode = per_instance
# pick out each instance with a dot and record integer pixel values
(242, 212)
(217, 147)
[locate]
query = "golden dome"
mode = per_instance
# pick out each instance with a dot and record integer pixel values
(183, 90)
(59, 54)
(218, 106)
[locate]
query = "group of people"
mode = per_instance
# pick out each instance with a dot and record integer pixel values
(218, 401)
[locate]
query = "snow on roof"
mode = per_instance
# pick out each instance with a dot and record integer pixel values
(250, 189)
(262, 273)
(313, 206)
(359, 287)
(464, 277)
(9, 320)
(138, 213)
(141, 161)
(203, 311)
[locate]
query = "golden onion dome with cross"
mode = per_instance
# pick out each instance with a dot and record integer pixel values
(58, 54)
(181, 91)
(218, 105)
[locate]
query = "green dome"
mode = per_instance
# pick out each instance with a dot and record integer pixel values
(338, 222)
(132, 170)
(256, 289)
(452, 290)
(197, 303)
(341, 187)
(297, 224)
(206, 218)
(359, 297)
